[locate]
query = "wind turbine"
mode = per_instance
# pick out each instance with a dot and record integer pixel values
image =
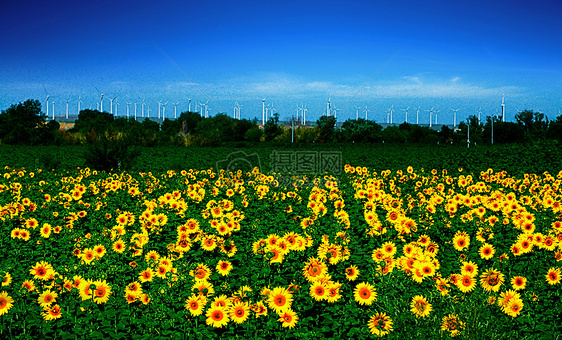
(136, 110)
(479, 113)
(329, 107)
(336, 112)
(128, 104)
(176, 109)
(436, 112)
(47, 99)
(454, 116)
(391, 110)
(142, 107)
(304, 110)
(263, 112)
(164, 110)
(366, 112)
(111, 104)
(159, 105)
(148, 111)
(79, 101)
(101, 103)
(68, 101)
(503, 108)
(406, 110)
(357, 108)
(298, 110)
(430, 113)
(53, 109)
(116, 106)
(189, 105)
(272, 109)
(239, 107)
(418, 115)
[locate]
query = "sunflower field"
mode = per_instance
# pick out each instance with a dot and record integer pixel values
(198, 254)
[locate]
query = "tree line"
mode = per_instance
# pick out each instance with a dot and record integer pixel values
(25, 123)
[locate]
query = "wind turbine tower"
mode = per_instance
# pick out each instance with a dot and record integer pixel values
(503, 108)
(79, 101)
(430, 115)
(68, 101)
(47, 99)
(454, 117)
(418, 115)
(189, 105)
(366, 112)
(263, 112)
(128, 104)
(175, 110)
(406, 112)
(357, 112)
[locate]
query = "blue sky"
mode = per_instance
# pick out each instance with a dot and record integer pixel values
(452, 54)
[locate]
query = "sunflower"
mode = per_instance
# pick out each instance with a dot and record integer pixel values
(45, 230)
(260, 309)
(507, 296)
(46, 298)
(6, 302)
(461, 241)
(314, 268)
(203, 287)
(208, 243)
(85, 289)
(491, 280)
(380, 324)
(333, 292)
(195, 304)
(518, 282)
(224, 267)
(88, 255)
(389, 249)
(513, 307)
(239, 312)
(365, 294)
(146, 275)
(420, 307)
(52, 313)
(101, 292)
(288, 318)
(279, 299)
(466, 283)
(201, 272)
(29, 284)
(6, 280)
(318, 291)
(351, 273)
(553, 276)
(217, 317)
(452, 324)
(469, 268)
(41, 271)
(486, 251)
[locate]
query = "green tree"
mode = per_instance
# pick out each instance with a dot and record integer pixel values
(326, 124)
(93, 123)
(24, 123)
(360, 130)
(534, 124)
(271, 128)
(555, 129)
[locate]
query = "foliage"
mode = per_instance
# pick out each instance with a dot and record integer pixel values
(24, 123)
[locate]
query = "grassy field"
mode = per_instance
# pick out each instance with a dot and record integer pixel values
(515, 159)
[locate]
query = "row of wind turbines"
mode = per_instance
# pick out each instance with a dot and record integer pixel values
(331, 110)
(137, 107)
